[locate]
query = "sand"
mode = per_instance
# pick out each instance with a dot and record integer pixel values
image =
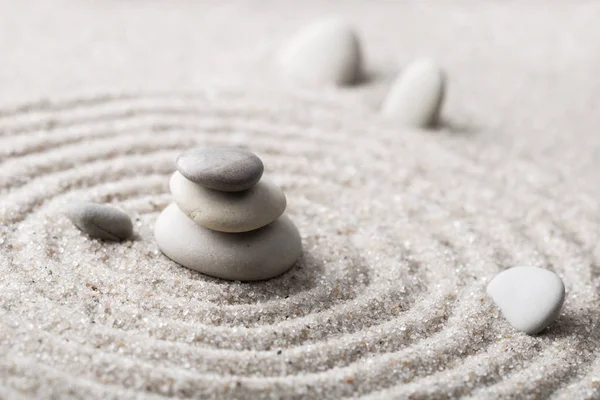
(402, 229)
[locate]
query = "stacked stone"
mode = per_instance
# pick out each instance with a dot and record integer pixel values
(226, 221)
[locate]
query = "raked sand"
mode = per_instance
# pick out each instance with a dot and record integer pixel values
(400, 233)
(401, 229)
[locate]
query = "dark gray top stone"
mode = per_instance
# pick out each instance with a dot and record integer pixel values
(228, 169)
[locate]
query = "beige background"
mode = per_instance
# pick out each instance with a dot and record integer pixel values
(523, 75)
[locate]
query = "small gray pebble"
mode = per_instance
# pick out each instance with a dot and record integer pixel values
(228, 169)
(100, 221)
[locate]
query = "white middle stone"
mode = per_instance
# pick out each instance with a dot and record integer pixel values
(229, 211)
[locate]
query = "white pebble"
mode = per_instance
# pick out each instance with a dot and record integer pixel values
(530, 298)
(416, 96)
(324, 53)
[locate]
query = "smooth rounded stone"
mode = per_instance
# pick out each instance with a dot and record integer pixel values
(249, 256)
(229, 169)
(229, 211)
(416, 97)
(530, 298)
(100, 220)
(324, 53)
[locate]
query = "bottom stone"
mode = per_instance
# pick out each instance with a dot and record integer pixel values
(248, 256)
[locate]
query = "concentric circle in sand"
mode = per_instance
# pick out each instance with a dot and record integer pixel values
(401, 235)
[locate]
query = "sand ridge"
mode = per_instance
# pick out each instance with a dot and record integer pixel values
(401, 233)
